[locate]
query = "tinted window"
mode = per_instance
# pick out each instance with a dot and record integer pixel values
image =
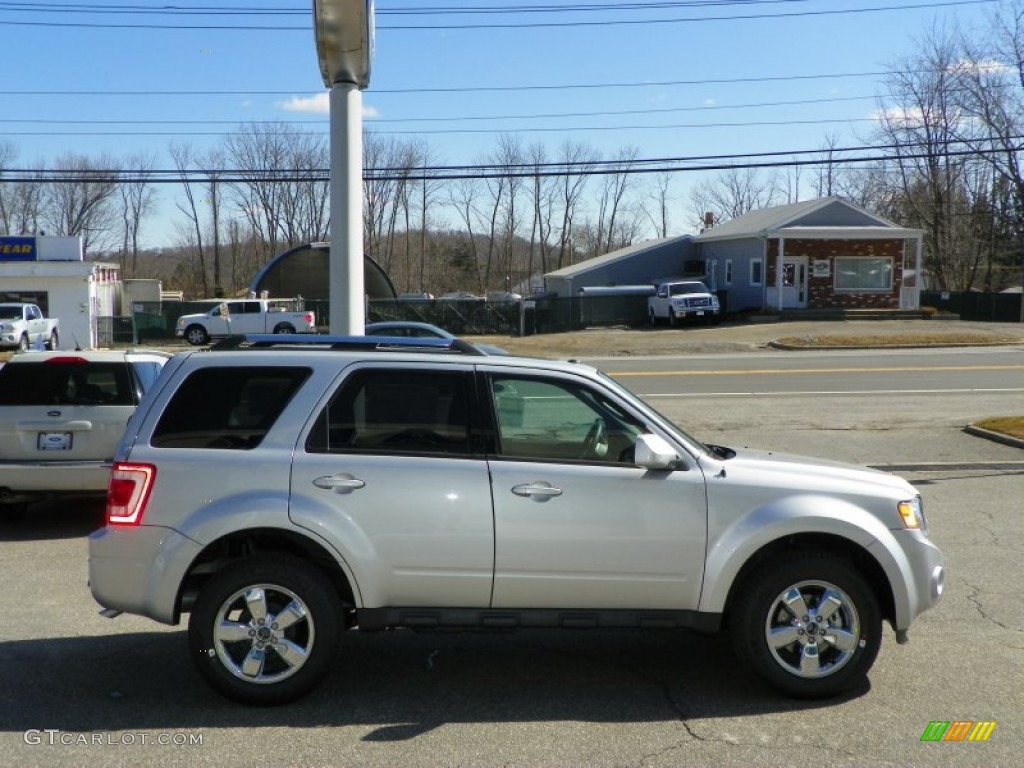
(56, 383)
(227, 408)
(396, 411)
(561, 421)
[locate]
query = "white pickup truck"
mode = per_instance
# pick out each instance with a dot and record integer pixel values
(241, 316)
(676, 301)
(23, 325)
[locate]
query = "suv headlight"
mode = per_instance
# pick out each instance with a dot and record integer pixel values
(912, 514)
(6, 327)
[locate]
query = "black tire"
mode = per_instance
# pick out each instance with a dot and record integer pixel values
(671, 318)
(652, 316)
(196, 335)
(23, 343)
(53, 342)
(284, 328)
(313, 630)
(826, 655)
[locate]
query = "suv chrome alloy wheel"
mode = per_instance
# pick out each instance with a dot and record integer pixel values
(812, 629)
(263, 634)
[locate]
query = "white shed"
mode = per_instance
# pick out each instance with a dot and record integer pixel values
(50, 272)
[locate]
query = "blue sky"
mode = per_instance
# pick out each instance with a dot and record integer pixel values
(705, 78)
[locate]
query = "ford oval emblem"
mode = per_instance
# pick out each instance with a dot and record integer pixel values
(53, 413)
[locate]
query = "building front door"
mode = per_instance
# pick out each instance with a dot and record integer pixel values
(794, 282)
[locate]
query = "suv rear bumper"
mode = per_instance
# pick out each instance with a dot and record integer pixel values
(138, 569)
(55, 476)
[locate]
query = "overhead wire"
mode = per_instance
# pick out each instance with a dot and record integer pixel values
(932, 4)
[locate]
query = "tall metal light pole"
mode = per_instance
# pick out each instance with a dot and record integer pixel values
(344, 46)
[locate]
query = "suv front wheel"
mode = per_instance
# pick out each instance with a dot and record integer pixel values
(809, 626)
(265, 631)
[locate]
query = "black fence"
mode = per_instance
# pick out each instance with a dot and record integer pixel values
(991, 307)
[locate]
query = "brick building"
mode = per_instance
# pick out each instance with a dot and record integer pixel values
(819, 254)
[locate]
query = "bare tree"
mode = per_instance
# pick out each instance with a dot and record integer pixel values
(661, 199)
(20, 202)
(81, 202)
(610, 199)
(826, 183)
(184, 157)
(918, 120)
(136, 203)
(543, 193)
(732, 193)
(576, 157)
(990, 77)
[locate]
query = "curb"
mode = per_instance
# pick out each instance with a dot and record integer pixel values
(997, 437)
(795, 348)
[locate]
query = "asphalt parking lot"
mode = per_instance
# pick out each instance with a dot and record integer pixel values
(526, 698)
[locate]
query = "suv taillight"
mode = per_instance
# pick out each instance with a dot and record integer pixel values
(128, 492)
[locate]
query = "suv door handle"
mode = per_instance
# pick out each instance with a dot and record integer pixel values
(539, 490)
(340, 483)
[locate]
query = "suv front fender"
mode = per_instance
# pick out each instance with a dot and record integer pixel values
(741, 541)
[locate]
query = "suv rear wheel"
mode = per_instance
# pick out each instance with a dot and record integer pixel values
(265, 630)
(809, 626)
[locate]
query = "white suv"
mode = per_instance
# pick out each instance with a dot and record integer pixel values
(288, 489)
(61, 417)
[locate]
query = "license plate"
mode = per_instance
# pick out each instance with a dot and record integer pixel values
(54, 441)
(700, 313)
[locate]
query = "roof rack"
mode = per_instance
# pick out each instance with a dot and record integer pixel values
(314, 341)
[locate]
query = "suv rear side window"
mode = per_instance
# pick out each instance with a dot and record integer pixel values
(71, 383)
(396, 411)
(227, 408)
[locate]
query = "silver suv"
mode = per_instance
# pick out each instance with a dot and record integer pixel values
(287, 489)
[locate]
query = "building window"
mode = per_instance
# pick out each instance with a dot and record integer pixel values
(756, 273)
(39, 298)
(728, 271)
(863, 274)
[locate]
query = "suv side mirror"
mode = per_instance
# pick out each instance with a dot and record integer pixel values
(654, 452)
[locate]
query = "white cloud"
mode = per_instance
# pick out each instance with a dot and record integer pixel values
(319, 104)
(709, 102)
(982, 67)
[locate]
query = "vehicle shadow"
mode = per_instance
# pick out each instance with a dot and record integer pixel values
(66, 518)
(405, 683)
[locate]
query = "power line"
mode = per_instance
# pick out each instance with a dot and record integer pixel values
(824, 156)
(465, 131)
(450, 119)
(222, 10)
(513, 25)
(482, 88)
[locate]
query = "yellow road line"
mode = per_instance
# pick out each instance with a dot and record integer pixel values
(776, 371)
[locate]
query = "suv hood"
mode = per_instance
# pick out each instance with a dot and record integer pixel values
(804, 472)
